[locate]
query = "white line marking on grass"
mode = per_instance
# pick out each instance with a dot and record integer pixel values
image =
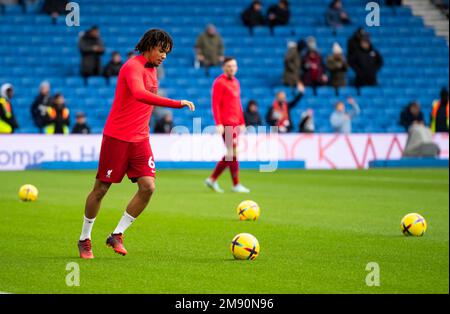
(1, 292)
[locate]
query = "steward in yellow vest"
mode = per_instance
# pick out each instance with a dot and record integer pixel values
(58, 117)
(8, 122)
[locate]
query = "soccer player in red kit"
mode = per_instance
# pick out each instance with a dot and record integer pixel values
(125, 145)
(229, 118)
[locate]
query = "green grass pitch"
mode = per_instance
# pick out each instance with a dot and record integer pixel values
(318, 231)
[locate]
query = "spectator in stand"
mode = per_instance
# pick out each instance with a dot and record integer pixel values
(55, 8)
(113, 66)
(292, 63)
(209, 48)
(8, 122)
(81, 126)
(354, 42)
(440, 114)
(307, 124)
(164, 125)
(40, 106)
(341, 120)
(314, 73)
(91, 48)
(58, 116)
(338, 67)
(253, 16)
(279, 114)
(278, 15)
(336, 16)
(366, 61)
(410, 115)
(251, 115)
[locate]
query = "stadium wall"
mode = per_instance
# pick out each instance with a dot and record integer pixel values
(321, 151)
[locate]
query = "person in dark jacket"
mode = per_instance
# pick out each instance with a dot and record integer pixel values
(279, 114)
(8, 122)
(336, 16)
(113, 67)
(410, 115)
(91, 48)
(366, 61)
(253, 16)
(278, 14)
(81, 126)
(40, 106)
(164, 125)
(209, 49)
(58, 116)
(251, 115)
(54, 8)
(354, 42)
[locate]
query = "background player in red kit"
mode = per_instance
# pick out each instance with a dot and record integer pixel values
(229, 118)
(125, 146)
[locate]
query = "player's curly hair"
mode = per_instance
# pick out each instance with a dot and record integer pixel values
(155, 38)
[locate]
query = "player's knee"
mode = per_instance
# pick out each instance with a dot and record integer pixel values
(147, 188)
(100, 191)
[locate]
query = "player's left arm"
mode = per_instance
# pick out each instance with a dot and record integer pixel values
(135, 83)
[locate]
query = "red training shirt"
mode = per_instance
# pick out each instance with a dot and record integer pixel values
(136, 94)
(226, 101)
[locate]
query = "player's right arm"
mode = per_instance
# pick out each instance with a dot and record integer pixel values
(133, 77)
(217, 95)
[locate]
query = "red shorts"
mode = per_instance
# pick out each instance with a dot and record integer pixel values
(118, 158)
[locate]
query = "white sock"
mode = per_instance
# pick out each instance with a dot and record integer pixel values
(124, 223)
(87, 228)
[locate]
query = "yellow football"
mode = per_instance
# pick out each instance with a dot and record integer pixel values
(413, 225)
(28, 193)
(245, 247)
(248, 210)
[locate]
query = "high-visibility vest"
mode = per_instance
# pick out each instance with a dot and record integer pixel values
(434, 112)
(50, 128)
(5, 127)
